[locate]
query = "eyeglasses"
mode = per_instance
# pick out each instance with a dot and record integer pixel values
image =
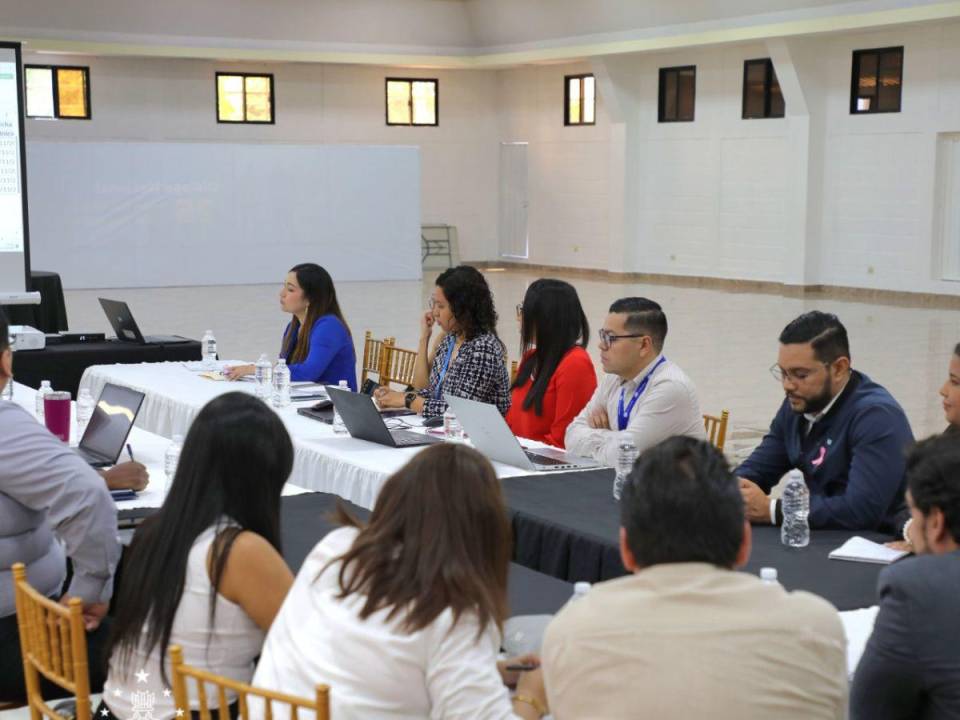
(800, 375)
(607, 338)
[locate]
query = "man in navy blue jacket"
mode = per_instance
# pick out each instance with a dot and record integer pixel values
(845, 432)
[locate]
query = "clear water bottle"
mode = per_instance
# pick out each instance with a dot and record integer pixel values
(281, 384)
(795, 531)
(452, 429)
(208, 346)
(338, 426)
(85, 406)
(171, 457)
(768, 576)
(45, 387)
(627, 454)
(263, 374)
(580, 589)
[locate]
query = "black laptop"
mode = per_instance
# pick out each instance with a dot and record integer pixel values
(110, 424)
(125, 327)
(364, 421)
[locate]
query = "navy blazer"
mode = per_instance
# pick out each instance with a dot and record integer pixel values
(853, 459)
(910, 668)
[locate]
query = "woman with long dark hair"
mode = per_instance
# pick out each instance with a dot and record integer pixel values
(556, 377)
(468, 360)
(317, 344)
(205, 572)
(402, 617)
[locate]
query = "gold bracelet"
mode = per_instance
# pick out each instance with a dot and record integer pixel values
(532, 702)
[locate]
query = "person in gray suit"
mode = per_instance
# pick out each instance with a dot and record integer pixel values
(911, 665)
(53, 505)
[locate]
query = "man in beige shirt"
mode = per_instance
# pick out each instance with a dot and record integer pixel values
(684, 635)
(643, 397)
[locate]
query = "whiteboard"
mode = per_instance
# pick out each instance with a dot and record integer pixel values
(14, 249)
(140, 214)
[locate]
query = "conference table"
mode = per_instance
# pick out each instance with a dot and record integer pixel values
(323, 461)
(566, 525)
(305, 516)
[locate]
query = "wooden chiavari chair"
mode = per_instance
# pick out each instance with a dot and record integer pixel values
(716, 428)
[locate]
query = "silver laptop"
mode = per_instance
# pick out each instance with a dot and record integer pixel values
(491, 435)
(365, 422)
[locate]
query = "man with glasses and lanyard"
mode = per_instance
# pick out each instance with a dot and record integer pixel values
(643, 397)
(844, 432)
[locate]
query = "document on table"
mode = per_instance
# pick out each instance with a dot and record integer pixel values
(857, 625)
(860, 549)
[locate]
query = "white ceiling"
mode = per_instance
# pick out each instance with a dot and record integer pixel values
(450, 33)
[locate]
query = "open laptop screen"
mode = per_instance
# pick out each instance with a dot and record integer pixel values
(111, 421)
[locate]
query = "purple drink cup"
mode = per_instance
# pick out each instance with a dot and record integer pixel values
(56, 414)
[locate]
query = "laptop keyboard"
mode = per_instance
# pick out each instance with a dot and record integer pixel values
(405, 438)
(545, 459)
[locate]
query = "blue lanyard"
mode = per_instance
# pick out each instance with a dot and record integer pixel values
(443, 371)
(623, 417)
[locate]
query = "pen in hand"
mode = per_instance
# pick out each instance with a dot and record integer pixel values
(130, 452)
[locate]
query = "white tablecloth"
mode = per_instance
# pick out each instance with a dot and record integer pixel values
(148, 448)
(324, 461)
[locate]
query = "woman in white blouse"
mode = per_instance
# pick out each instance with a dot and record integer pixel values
(402, 618)
(205, 572)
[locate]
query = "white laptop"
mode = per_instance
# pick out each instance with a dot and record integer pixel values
(491, 435)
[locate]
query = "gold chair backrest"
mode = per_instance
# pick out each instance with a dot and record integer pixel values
(53, 644)
(181, 673)
(398, 366)
(513, 372)
(716, 428)
(373, 356)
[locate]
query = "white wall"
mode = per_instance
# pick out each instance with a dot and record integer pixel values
(173, 101)
(817, 197)
(568, 167)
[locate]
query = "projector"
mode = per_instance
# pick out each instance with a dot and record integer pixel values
(24, 337)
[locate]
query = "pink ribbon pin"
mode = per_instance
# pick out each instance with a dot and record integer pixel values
(819, 460)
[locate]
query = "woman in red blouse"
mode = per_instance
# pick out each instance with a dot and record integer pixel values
(556, 376)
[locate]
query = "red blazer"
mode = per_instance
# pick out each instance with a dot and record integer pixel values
(570, 388)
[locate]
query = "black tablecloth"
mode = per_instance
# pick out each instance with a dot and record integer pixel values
(50, 315)
(306, 519)
(63, 365)
(567, 525)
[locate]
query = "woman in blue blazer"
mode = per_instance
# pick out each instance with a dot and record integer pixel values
(317, 344)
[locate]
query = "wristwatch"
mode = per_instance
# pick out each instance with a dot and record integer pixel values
(408, 399)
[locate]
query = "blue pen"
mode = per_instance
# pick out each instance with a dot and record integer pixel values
(130, 452)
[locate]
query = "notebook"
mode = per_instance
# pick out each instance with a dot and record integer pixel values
(858, 549)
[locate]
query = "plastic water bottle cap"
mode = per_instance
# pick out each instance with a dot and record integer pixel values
(45, 384)
(344, 383)
(581, 588)
(281, 362)
(768, 574)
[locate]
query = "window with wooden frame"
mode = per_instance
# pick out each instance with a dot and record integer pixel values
(412, 101)
(678, 94)
(245, 98)
(579, 100)
(877, 81)
(762, 97)
(57, 91)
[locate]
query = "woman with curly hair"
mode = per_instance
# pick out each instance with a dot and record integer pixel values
(468, 360)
